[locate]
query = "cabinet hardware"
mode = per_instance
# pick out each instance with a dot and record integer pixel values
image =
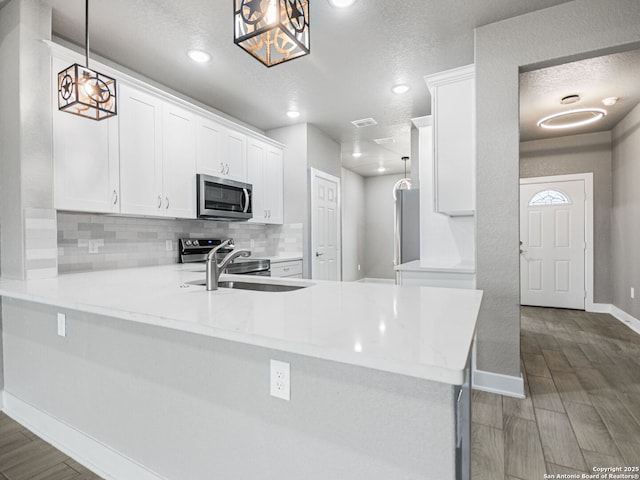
(221, 167)
(115, 197)
(159, 201)
(286, 269)
(167, 203)
(227, 170)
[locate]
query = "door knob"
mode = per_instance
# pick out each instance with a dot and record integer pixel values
(318, 254)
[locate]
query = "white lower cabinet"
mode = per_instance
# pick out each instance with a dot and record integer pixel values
(157, 156)
(85, 159)
(264, 173)
(287, 268)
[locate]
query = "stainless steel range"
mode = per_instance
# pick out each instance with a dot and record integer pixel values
(193, 250)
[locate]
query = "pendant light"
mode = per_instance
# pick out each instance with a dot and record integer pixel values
(403, 183)
(272, 31)
(86, 92)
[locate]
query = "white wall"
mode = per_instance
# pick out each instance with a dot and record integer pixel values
(378, 230)
(580, 154)
(573, 30)
(353, 225)
(444, 240)
(626, 213)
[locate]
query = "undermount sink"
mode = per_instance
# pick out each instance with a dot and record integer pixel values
(260, 287)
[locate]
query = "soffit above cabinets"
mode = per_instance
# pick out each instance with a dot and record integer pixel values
(594, 79)
(357, 55)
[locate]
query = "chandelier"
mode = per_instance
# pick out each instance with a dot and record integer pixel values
(85, 92)
(273, 31)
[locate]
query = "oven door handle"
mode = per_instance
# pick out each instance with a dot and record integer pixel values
(245, 209)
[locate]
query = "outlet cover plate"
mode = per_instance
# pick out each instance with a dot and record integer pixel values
(280, 380)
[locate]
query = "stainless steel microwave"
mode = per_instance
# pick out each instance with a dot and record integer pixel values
(223, 199)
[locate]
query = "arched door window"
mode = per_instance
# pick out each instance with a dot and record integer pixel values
(549, 197)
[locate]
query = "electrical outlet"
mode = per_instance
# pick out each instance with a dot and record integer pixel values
(633, 292)
(95, 244)
(62, 325)
(168, 245)
(280, 380)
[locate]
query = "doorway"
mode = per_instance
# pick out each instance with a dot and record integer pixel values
(556, 241)
(325, 226)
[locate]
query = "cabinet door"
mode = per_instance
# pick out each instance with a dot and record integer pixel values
(273, 172)
(85, 159)
(140, 152)
(209, 138)
(178, 162)
(256, 154)
(234, 155)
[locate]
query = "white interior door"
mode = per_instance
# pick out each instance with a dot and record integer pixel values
(325, 224)
(552, 236)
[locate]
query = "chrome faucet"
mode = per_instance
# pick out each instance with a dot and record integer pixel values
(214, 269)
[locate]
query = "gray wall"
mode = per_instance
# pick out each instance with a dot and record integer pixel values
(575, 30)
(378, 233)
(580, 154)
(307, 146)
(186, 405)
(353, 225)
(25, 123)
(626, 213)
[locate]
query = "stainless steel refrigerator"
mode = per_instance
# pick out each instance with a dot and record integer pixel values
(406, 226)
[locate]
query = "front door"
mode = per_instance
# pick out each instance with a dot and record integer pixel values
(552, 244)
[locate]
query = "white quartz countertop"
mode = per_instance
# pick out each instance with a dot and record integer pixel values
(417, 331)
(426, 266)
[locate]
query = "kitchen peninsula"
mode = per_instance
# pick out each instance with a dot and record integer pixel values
(157, 378)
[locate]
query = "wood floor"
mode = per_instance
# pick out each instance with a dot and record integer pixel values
(24, 456)
(582, 381)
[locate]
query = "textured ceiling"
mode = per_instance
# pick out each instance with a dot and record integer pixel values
(593, 79)
(357, 54)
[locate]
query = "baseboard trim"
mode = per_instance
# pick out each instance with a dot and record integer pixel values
(1, 400)
(630, 321)
(94, 455)
(599, 308)
(498, 383)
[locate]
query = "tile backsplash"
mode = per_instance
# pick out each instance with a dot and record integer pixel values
(125, 242)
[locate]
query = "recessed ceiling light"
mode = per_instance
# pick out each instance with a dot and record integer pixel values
(400, 88)
(342, 3)
(293, 114)
(572, 118)
(356, 154)
(199, 56)
(610, 101)
(381, 169)
(569, 99)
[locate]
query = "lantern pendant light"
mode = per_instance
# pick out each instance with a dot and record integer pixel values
(273, 31)
(403, 183)
(86, 92)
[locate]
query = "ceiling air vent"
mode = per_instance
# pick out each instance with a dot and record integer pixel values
(385, 140)
(364, 122)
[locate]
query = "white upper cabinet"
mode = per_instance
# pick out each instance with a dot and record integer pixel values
(140, 117)
(178, 161)
(264, 173)
(454, 126)
(209, 141)
(85, 159)
(234, 155)
(157, 156)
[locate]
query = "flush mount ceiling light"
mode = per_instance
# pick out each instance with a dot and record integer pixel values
(572, 118)
(293, 114)
(610, 101)
(273, 31)
(199, 56)
(83, 91)
(400, 88)
(342, 3)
